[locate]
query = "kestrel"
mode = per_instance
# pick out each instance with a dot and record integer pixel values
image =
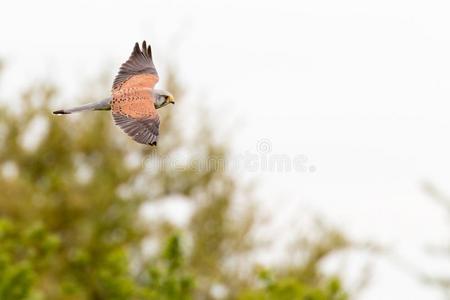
(134, 100)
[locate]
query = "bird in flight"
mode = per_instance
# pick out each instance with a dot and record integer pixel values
(134, 100)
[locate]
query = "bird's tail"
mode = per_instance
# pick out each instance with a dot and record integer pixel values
(104, 104)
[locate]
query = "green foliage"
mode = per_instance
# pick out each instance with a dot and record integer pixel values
(439, 252)
(291, 288)
(70, 214)
(23, 254)
(170, 281)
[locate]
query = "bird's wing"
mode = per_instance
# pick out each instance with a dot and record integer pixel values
(138, 70)
(132, 103)
(134, 112)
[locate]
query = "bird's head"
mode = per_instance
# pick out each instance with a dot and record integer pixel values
(162, 98)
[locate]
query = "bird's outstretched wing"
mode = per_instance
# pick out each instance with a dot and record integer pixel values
(138, 70)
(132, 102)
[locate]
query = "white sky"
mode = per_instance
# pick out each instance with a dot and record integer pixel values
(359, 87)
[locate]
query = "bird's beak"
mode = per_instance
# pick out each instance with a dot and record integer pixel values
(171, 100)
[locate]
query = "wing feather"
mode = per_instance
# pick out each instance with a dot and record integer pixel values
(138, 70)
(132, 102)
(144, 130)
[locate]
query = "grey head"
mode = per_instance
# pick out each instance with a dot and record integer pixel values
(162, 98)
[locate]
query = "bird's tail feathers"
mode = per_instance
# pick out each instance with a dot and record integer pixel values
(104, 104)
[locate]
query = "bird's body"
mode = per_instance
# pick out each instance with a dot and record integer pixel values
(134, 100)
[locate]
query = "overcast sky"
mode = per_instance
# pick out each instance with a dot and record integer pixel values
(359, 88)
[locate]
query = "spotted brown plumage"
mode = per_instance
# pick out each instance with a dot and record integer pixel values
(132, 102)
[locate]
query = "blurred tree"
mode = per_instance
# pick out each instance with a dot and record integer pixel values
(290, 288)
(21, 254)
(70, 214)
(441, 251)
